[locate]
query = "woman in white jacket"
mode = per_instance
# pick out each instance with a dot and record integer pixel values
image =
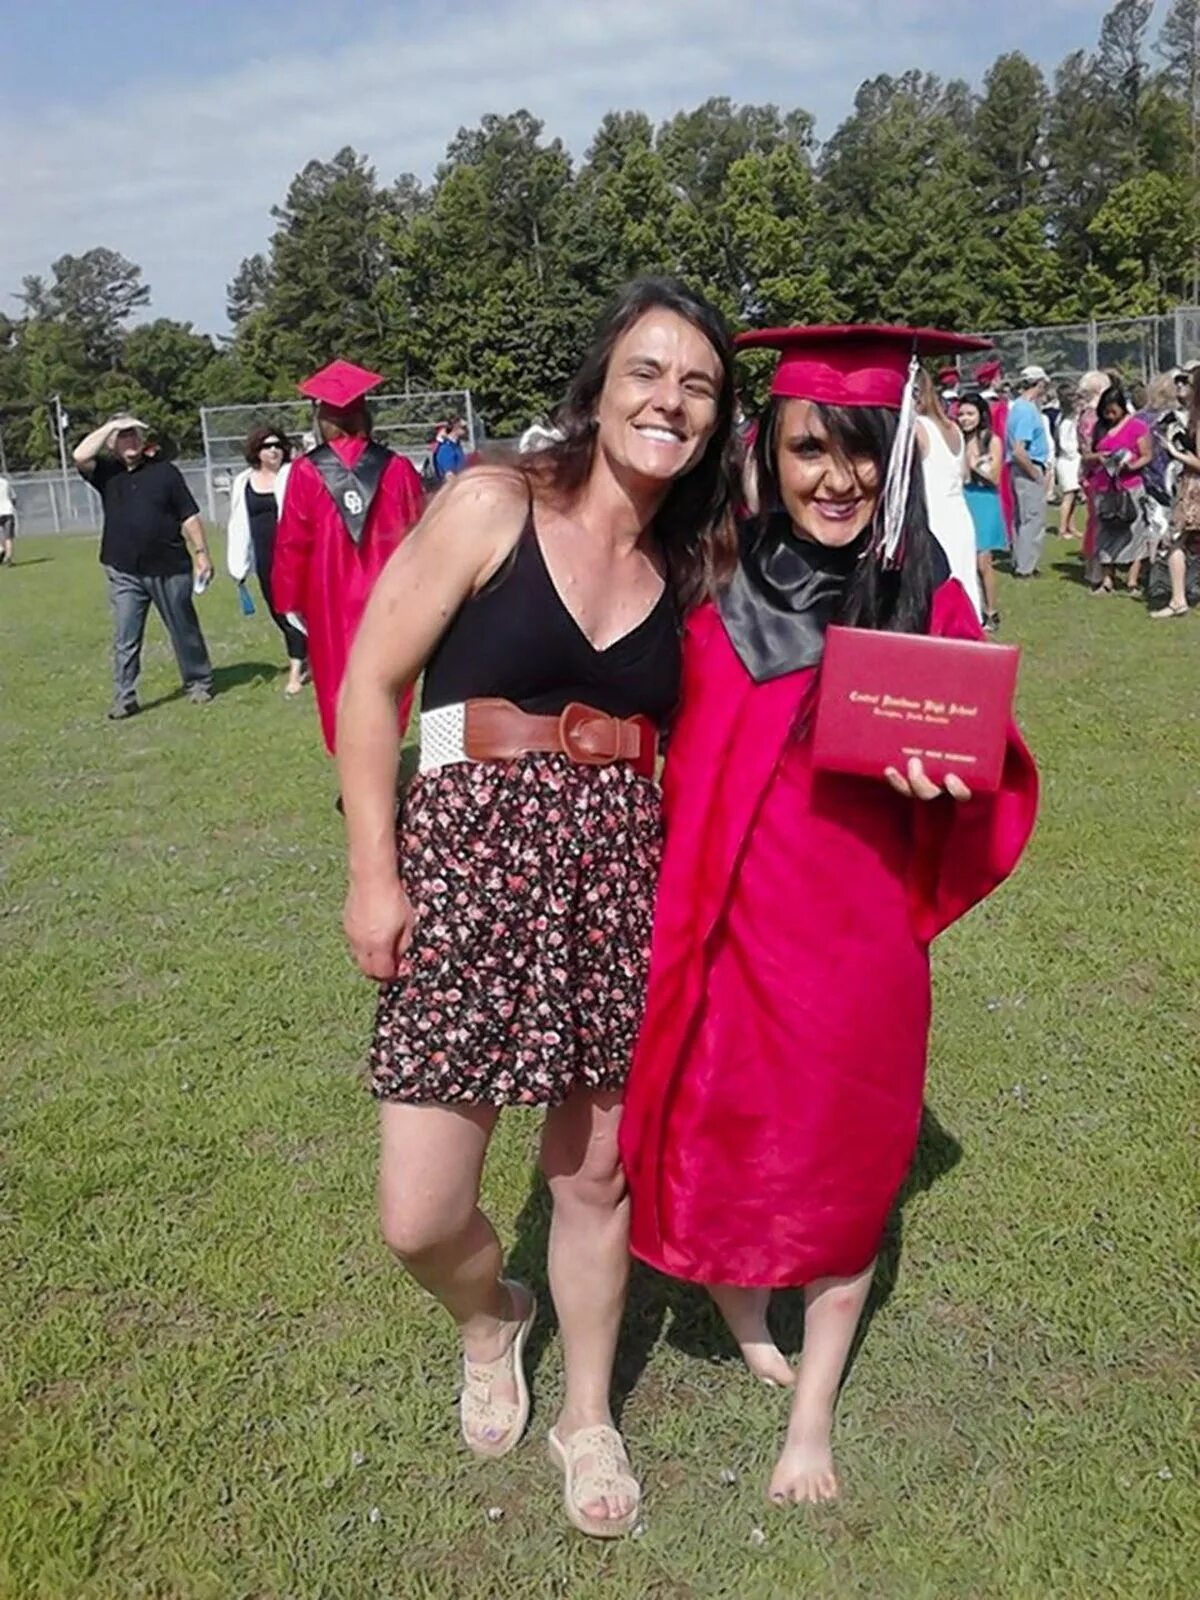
(255, 501)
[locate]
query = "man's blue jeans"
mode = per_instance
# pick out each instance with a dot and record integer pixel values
(131, 595)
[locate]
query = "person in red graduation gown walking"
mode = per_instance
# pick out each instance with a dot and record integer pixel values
(776, 1092)
(349, 503)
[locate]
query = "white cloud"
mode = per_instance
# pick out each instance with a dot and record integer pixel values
(181, 175)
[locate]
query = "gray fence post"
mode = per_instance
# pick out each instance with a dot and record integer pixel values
(471, 440)
(209, 490)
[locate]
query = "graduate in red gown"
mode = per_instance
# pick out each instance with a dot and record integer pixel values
(347, 506)
(947, 382)
(987, 379)
(776, 1092)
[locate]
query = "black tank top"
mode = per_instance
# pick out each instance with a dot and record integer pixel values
(515, 640)
(263, 513)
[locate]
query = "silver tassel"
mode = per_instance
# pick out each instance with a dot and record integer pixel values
(900, 470)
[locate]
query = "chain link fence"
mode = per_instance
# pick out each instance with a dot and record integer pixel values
(1136, 347)
(404, 422)
(51, 502)
(48, 502)
(54, 502)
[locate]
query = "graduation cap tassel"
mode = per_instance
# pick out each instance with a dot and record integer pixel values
(899, 471)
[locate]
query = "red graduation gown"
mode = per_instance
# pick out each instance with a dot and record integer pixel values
(775, 1096)
(1008, 495)
(318, 571)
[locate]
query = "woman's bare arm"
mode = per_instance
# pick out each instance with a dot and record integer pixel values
(464, 538)
(1145, 453)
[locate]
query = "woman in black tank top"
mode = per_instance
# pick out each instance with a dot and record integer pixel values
(517, 639)
(510, 923)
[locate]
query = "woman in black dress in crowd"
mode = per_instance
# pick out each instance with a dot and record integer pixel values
(255, 501)
(508, 917)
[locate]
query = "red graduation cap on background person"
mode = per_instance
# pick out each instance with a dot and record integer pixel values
(340, 384)
(990, 372)
(947, 377)
(868, 365)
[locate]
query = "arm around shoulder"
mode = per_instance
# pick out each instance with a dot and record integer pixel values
(461, 541)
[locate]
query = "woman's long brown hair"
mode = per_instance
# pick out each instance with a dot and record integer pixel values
(694, 524)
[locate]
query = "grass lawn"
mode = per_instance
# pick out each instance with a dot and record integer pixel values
(212, 1381)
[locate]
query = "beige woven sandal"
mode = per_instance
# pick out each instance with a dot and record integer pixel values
(477, 1409)
(607, 1473)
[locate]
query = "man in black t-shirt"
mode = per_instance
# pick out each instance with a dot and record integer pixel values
(150, 520)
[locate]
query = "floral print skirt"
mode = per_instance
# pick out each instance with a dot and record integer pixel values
(533, 885)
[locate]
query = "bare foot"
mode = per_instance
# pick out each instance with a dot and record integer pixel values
(804, 1473)
(768, 1363)
(745, 1313)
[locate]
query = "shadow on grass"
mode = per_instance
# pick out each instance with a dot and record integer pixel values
(938, 1152)
(695, 1325)
(1072, 572)
(27, 561)
(225, 679)
(241, 672)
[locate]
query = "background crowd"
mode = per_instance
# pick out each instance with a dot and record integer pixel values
(1126, 455)
(995, 454)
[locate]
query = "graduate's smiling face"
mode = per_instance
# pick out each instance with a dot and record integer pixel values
(659, 404)
(969, 419)
(829, 493)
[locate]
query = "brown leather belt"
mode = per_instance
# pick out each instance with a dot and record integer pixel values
(498, 730)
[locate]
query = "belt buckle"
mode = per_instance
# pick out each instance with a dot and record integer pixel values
(577, 721)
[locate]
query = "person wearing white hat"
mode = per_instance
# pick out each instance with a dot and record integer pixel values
(152, 537)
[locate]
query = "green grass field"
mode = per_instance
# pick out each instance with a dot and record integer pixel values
(212, 1381)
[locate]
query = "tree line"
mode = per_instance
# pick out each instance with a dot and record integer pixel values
(1028, 200)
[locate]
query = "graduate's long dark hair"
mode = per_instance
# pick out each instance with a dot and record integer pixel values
(694, 523)
(983, 433)
(899, 599)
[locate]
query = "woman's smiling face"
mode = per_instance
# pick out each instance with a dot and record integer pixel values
(830, 496)
(661, 397)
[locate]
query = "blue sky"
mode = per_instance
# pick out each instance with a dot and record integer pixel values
(167, 131)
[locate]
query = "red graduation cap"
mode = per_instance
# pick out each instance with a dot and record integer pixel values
(947, 377)
(851, 366)
(340, 384)
(989, 372)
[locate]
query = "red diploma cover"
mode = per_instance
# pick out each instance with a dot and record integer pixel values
(886, 697)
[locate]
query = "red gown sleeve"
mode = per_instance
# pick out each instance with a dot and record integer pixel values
(410, 499)
(962, 850)
(293, 543)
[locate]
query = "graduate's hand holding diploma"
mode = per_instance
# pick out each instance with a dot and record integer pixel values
(915, 784)
(378, 921)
